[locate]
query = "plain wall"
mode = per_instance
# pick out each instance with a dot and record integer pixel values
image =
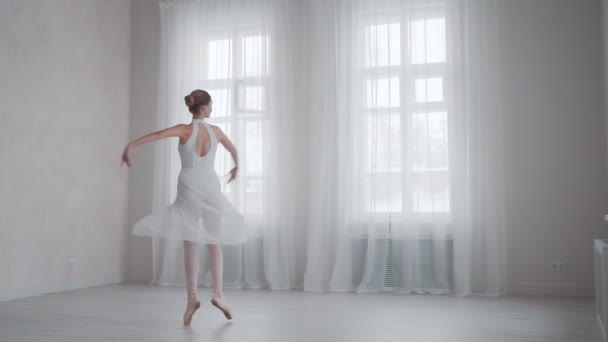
(605, 64)
(64, 106)
(145, 37)
(555, 137)
(556, 167)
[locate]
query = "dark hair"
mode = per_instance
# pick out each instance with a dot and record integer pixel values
(196, 99)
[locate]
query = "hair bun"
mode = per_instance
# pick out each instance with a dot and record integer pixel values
(189, 100)
(196, 99)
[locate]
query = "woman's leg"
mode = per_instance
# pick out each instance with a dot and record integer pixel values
(216, 260)
(216, 266)
(192, 265)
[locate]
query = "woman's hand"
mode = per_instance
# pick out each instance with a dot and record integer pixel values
(126, 158)
(233, 173)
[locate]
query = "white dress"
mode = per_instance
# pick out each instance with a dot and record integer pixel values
(200, 211)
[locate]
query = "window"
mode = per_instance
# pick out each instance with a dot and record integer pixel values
(234, 69)
(406, 112)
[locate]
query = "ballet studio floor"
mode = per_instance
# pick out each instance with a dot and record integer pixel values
(133, 312)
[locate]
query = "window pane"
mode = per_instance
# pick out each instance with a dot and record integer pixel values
(383, 92)
(431, 192)
(383, 143)
(429, 89)
(254, 56)
(428, 41)
(429, 141)
(383, 45)
(383, 193)
(220, 59)
(253, 155)
(222, 102)
(252, 98)
(254, 202)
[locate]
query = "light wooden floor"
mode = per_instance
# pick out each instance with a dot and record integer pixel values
(130, 312)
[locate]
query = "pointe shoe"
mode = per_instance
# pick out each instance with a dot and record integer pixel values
(190, 310)
(219, 303)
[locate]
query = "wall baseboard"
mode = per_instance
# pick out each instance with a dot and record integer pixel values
(516, 289)
(551, 289)
(70, 285)
(139, 277)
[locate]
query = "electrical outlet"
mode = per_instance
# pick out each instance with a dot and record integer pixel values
(558, 266)
(73, 264)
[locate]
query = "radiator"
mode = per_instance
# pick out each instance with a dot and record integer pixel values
(601, 282)
(433, 262)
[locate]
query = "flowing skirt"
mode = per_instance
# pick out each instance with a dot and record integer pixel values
(199, 213)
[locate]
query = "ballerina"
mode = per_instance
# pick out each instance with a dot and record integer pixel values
(200, 213)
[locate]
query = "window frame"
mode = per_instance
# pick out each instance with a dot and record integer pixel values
(407, 73)
(239, 116)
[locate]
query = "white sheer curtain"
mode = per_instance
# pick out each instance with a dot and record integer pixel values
(374, 126)
(407, 190)
(241, 52)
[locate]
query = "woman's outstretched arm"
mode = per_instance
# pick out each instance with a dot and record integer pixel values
(175, 131)
(223, 139)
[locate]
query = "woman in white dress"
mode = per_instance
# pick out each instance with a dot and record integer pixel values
(200, 212)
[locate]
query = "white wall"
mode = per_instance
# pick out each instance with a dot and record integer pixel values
(556, 168)
(64, 106)
(605, 64)
(145, 37)
(555, 135)
(145, 30)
